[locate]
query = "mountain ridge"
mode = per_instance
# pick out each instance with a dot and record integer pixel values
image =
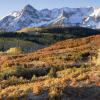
(31, 17)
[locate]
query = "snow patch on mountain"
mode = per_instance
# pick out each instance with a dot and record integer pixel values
(31, 17)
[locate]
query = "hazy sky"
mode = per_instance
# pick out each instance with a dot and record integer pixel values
(7, 6)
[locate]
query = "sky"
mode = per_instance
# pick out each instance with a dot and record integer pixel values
(7, 6)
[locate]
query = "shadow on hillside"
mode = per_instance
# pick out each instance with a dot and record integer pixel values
(82, 93)
(69, 93)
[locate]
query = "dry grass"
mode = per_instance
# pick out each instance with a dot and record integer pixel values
(63, 57)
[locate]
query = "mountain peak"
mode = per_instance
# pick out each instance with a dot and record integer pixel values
(29, 8)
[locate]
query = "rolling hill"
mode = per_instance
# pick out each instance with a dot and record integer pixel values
(66, 69)
(32, 39)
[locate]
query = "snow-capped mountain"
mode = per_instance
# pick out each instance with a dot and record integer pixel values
(31, 17)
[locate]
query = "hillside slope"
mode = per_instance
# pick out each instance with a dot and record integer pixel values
(32, 39)
(65, 70)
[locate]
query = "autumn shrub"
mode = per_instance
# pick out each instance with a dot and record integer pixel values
(17, 71)
(12, 81)
(24, 72)
(33, 78)
(6, 74)
(52, 73)
(54, 93)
